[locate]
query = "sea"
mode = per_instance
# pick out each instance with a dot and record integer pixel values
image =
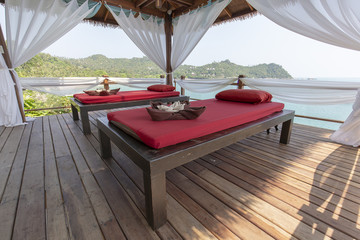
(335, 112)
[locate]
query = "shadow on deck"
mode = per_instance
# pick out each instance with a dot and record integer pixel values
(54, 185)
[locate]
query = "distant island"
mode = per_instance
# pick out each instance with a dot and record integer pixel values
(45, 65)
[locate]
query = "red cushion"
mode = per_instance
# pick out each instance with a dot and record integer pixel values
(244, 95)
(124, 96)
(219, 115)
(161, 88)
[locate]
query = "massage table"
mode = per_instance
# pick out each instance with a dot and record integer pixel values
(156, 162)
(84, 104)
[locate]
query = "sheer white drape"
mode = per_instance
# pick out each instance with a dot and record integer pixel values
(190, 28)
(9, 110)
(63, 86)
(33, 25)
(349, 131)
(141, 83)
(67, 86)
(307, 91)
(336, 22)
(147, 34)
(204, 85)
(314, 91)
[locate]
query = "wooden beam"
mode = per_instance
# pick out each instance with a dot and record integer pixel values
(131, 6)
(251, 8)
(186, 9)
(173, 5)
(5, 50)
(181, 2)
(320, 119)
(159, 3)
(235, 15)
(148, 3)
(168, 33)
(106, 15)
(227, 11)
(139, 3)
(9, 65)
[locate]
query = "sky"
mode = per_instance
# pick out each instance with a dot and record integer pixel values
(246, 42)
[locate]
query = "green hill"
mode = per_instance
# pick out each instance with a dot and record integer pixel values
(45, 65)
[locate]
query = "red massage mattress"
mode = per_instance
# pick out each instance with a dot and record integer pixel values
(124, 96)
(219, 115)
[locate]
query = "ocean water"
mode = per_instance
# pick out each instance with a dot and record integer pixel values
(335, 112)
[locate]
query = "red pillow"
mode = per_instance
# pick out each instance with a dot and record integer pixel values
(161, 88)
(244, 95)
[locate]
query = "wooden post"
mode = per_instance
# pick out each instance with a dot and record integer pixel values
(159, 3)
(155, 198)
(240, 83)
(168, 33)
(9, 65)
(106, 82)
(182, 89)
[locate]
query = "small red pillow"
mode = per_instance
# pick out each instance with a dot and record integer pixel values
(161, 88)
(244, 95)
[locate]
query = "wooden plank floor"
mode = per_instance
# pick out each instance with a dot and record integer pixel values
(54, 185)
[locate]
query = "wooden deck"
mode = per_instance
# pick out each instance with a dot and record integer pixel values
(54, 185)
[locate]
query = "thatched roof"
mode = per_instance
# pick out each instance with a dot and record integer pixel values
(235, 10)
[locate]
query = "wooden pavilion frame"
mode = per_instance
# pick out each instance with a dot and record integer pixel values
(167, 9)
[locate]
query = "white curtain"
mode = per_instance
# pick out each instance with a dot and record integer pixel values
(307, 91)
(67, 86)
(190, 28)
(141, 83)
(147, 34)
(349, 131)
(63, 86)
(336, 22)
(204, 85)
(314, 91)
(9, 110)
(33, 25)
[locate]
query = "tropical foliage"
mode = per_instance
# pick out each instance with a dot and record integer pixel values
(37, 100)
(45, 65)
